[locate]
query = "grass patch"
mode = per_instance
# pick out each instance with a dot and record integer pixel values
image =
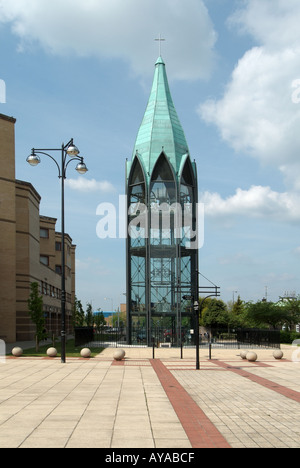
(71, 351)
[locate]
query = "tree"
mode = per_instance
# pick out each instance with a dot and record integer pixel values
(237, 314)
(78, 313)
(89, 317)
(291, 308)
(35, 308)
(99, 320)
(264, 313)
(215, 313)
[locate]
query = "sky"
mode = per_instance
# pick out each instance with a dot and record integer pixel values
(84, 69)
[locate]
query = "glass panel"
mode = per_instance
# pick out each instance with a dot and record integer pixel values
(137, 174)
(44, 233)
(44, 259)
(162, 189)
(186, 194)
(187, 184)
(137, 194)
(162, 192)
(138, 285)
(187, 200)
(187, 174)
(162, 170)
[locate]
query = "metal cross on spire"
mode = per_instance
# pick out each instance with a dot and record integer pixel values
(160, 39)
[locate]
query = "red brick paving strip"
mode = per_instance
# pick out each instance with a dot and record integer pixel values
(287, 392)
(199, 429)
(118, 363)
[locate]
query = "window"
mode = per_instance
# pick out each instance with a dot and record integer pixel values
(52, 291)
(187, 184)
(58, 246)
(58, 269)
(44, 233)
(137, 184)
(44, 288)
(44, 260)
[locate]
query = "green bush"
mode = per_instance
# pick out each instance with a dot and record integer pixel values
(287, 337)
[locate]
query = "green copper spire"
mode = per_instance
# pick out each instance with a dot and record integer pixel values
(160, 129)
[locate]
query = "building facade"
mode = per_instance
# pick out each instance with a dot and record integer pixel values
(162, 248)
(30, 251)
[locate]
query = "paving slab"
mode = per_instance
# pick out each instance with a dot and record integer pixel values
(143, 402)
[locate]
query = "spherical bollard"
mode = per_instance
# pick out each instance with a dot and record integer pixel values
(17, 352)
(119, 354)
(251, 356)
(278, 354)
(51, 352)
(243, 354)
(85, 353)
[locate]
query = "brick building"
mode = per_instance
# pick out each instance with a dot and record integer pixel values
(30, 251)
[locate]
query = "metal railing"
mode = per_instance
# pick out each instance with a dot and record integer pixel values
(185, 338)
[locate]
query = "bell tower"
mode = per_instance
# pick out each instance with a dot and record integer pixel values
(162, 251)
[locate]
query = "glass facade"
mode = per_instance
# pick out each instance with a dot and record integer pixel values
(161, 261)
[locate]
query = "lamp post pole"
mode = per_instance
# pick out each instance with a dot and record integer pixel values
(63, 266)
(197, 337)
(66, 150)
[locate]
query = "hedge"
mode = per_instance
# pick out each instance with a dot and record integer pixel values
(287, 337)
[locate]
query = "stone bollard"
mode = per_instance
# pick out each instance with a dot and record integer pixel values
(278, 354)
(119, 354)
(243, 354)
(85, 353)
(251, 356)
(17, 352)
(51, 352)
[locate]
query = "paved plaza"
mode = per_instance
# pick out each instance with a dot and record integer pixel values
(143, 402)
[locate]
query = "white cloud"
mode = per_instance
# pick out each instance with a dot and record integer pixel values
(258, 113)
(257, 202)
(274, 24)
(85, 185)
(119, 29)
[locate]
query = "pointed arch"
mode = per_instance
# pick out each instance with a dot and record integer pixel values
(136, 174)
(137, 183)
(162, 183)
(162, 170)
(187, 176)
(187, 183)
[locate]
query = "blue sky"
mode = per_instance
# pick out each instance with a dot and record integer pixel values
(84, 69)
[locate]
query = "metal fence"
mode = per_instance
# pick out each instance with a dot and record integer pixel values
(100, 338)
(237, 338)
(257, 337)
(162, 337)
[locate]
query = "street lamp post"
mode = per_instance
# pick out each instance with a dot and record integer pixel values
(197, 337)
(33, 159)
(209, 291)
